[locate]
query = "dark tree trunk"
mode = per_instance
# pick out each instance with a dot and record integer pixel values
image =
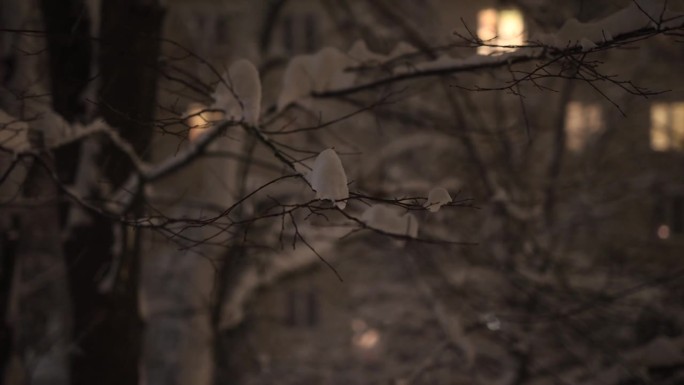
(128, 52)
(70, 56)
(8, 242)
(128, 58)
(232, 265)
(107, 327)
(70, 49)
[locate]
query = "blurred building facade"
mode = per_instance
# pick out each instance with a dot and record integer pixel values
(412, 313)
(619, 200)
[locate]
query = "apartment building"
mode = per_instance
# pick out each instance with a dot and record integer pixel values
(618, 182)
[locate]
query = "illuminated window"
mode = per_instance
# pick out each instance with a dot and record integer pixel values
(582, 122)
(669, 216)
(199, 119)
(667, 126)
(500, 28)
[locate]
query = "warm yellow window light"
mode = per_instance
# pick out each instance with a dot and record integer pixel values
(199, 118)
(667, 126)
(487, 21)
(500, 28)
(659, 127)
(511, 28)
(582, 121)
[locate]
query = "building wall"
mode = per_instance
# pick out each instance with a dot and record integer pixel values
(311, 328)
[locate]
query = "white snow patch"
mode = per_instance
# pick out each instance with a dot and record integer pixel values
(444, 62)
(244, 101)
(359, 51)
(402, 48)
(411, 225)
(315, 73)
(632, 18)
(437, 197)
(304, 170)
(328, 178)
(56, 131)
(328, 69)
(297, 81)
(390, 220)
(587, 45)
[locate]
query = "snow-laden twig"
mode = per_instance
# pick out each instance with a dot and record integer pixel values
(123, 197)
(625, 26)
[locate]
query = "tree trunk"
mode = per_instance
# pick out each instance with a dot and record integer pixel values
(8, 243)
(106, 324)
(129, 52)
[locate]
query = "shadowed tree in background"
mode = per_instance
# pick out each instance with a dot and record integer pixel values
(106, 325)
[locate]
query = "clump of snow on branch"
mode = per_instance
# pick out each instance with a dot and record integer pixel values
(328, 178)
(49, 126)
(437, 197)
(56, 131)
(390, 220)
(297, 81)
(572, 34)
(411, 225)
(587, 44)
(304, 170)
(445, 62)
(314, 73)
(360, 52)
(402, 48)
(328, 67)
(640, 14)
(243, 99)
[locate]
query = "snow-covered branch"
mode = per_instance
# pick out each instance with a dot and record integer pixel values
(629, 25)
